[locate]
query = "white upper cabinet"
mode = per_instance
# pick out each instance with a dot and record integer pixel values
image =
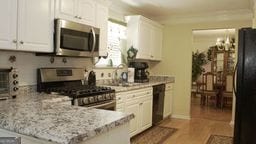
(27, 25)
(86, 11)
(146, 36)
(102, 23)
(82, 11)
(66, 9)
(8, 16)
(156, 43)
(35, 25)
(143, 44)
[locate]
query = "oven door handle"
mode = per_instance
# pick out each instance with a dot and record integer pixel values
(105, 104)
(94, 40)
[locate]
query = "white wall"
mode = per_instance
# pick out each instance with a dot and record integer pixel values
(177, 59)
(27, 64)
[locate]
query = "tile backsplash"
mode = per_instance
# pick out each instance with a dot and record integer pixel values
(27, 64)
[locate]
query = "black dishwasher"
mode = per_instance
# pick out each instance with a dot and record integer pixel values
(158, 103)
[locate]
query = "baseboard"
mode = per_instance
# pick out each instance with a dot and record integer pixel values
(181, 117)
(232, 123)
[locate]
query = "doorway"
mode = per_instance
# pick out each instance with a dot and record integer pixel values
(213, 62)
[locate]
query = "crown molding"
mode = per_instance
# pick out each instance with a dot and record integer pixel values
(243, 14)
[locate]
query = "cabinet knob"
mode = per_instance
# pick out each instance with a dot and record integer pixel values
(133, 95)
(75, 16)
(21, 42)
(119, 98)
(80, 17)
(14, 41)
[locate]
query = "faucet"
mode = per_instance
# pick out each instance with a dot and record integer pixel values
(115, 78)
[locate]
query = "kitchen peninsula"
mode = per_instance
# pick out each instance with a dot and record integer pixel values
(51, 119)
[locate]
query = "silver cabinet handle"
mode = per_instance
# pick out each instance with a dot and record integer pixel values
(94, 40)
(75, 16)
(21, 42)
(14, 41)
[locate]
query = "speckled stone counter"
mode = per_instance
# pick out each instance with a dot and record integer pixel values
(154, 80)
(49, 117)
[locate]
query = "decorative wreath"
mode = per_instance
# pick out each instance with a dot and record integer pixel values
(131, 53)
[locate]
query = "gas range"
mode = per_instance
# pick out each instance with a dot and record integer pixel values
(69, 82)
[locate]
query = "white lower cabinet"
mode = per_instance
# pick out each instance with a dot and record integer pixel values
(168, 100)
(139, 102)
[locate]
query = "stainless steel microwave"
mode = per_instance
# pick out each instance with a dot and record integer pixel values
(75, 39)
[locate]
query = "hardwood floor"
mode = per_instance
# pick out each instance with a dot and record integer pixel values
(196, 130)
(205, 121)
(209, 112)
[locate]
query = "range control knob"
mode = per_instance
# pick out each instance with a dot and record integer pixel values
(15, 75)
(85, 101)
(108, 96)
(15, 89)
(100, 98)
(15, 82)
(91, 99)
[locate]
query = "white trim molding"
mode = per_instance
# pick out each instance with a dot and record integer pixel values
(232, 123)
(242, 14)
(185, 117)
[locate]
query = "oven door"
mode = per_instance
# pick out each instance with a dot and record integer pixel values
(74, 39)
(107, 106)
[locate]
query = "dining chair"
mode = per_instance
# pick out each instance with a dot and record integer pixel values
(227, 93)
(209, 91)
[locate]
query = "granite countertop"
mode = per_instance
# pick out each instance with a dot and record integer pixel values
(153, 81)
(45, 117)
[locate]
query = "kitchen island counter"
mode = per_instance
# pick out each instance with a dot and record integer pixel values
(52, 118)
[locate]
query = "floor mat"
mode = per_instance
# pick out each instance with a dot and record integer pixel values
(154, 135)
(218, 139)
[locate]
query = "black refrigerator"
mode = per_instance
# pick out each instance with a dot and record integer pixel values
(245, 115)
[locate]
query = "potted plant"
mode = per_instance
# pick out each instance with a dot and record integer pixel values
(198, 60)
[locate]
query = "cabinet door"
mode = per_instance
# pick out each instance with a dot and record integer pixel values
(168, 103)
(144, 40)
(146, 114)
(66, 9)
(35, 25)
(102, 23)
(134, 123)
(8, 16)
(86, 11)
(156, 43)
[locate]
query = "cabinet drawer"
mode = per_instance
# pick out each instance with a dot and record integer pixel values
(139, 93)
(120, 98)
(169, 86)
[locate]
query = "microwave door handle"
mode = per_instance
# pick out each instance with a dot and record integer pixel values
(94, 40)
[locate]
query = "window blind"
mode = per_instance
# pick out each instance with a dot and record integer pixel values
(116, 43)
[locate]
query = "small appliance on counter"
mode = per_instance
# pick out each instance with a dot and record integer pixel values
(131, 75)
(9, 84)
(69, 82)
(141, 74)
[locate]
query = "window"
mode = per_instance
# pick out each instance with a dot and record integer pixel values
(116, 45)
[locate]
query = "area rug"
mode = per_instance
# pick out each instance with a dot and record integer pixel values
(154, 135)
(218, 139)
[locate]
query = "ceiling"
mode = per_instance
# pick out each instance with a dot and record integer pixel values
(159, 8)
